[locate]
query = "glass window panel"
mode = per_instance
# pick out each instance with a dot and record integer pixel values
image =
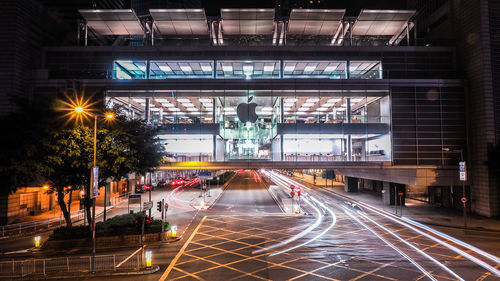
(164, 69)
(129, 69)
(365, 70)
(314, 69)
(230, 69)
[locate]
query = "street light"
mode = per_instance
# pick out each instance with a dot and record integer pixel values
(79, 109)
(464, 198)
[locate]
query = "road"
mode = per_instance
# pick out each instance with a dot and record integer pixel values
(247, 194)
(339, 240)
(245, 236)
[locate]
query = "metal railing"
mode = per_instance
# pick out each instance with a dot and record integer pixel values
(46, 224)
(71, 265)
(40, 225)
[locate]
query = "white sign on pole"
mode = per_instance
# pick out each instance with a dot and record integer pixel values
(147, 205)
(95, 181)
(205, 175)
(463, 171)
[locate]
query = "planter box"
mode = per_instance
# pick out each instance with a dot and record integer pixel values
(104, 242)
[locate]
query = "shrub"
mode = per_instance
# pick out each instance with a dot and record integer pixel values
(118, 225)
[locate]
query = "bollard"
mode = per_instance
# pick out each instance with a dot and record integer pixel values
(149, 258)
(173, 231)
(37, 241)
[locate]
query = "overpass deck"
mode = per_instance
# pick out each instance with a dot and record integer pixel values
(256, 164)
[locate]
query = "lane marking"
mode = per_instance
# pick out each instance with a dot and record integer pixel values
(413, 247)
(390, 245)
(334, 221)
(413, 225)
(188, 274)
(127, 258)
(16, 252)
(181, 251)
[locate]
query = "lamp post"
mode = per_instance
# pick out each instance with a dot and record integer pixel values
(462, 179)
(109, 116)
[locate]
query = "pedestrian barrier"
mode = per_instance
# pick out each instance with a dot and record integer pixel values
(71, 265)
(42, 225)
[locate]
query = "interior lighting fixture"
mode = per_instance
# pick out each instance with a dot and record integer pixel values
(227, 68)
(165, 68)
(186, 68)
(310, 68)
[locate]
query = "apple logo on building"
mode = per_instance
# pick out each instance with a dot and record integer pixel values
(246, 111)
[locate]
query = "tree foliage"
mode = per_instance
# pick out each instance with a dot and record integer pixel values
(41, 149)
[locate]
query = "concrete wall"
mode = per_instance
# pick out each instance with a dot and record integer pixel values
(26, 201)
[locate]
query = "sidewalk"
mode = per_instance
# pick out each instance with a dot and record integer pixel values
(415, 210)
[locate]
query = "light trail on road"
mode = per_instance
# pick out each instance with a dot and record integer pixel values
(433, 234)
(334, 221)
(411, 246)
(461, 243)
(303, 233)
(389, 244)
(443, 243)
(281, 180)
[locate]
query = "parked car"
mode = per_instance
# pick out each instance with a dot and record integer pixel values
(140, 188)
(162, 183)
(177, 182)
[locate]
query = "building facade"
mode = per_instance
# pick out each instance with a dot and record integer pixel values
(316, 89)
(473, 27)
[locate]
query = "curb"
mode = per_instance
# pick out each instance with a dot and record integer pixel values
(224, 187)
(154, 269)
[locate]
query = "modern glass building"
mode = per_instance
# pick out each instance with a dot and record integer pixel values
(316, 89)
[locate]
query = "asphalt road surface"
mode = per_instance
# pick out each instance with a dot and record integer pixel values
(245, 236)
(246, 194)
(338, 240)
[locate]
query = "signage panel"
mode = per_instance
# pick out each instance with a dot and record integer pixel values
(147, 205)
(95, 181)
(205, 175)
(463, 171)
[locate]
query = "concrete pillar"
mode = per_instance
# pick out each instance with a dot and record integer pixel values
(214, 145)
(349, 138)
(351, 184)
(386, 193)
(146, 111)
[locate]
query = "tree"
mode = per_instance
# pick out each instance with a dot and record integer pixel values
(41, 149)
(145, 146)
(123, 146)
(22, 133)
(67, 163)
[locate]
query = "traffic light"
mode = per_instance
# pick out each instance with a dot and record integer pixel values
(158, 206)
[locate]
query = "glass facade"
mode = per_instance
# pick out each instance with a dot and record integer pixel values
(246, 69)
(267, 125)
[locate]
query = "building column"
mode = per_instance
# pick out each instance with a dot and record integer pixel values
(146, 111)
(349, 138)
(386, 193)
(214, 107)
(214, 147)
(351, 184)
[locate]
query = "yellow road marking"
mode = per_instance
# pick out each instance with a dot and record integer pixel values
(188, 274)
(181, 251)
